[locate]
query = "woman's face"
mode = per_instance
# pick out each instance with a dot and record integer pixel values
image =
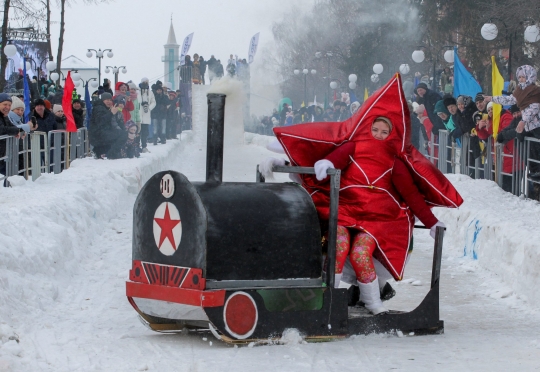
(461, 106)
(490, 111)
(380, 130)
(522, 79)
(19, 111)
(59, 113)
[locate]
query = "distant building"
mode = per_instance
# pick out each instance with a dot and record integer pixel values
(171, 59)
(87, 72)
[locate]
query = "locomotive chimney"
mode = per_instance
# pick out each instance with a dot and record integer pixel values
(215, 136)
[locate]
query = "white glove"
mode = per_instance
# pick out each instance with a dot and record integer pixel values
(276, 147)
(321, 167)
(265, 167)
(432, 230)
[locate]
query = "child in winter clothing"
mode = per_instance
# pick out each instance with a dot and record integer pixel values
(131, 149)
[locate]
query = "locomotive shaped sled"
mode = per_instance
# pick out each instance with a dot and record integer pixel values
(245, 260)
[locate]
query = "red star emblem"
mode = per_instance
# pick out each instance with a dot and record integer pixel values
(166, 224)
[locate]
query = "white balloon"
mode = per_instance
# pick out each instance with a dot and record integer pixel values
(489, 31)
(418, 56)
(532, 34)
(353, 78)
(378, 68)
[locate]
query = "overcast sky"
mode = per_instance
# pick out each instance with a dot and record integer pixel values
(136, 30)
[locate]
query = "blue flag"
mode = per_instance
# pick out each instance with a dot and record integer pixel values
(26, 95)
(352, 96)
(464, 82)
(88, 102)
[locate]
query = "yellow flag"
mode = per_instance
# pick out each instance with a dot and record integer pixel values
(497, 83)
(366, 95)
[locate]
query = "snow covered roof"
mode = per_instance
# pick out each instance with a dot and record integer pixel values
(74, 63)
(171, 40)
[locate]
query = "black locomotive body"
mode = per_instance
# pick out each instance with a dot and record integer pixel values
(244, 259)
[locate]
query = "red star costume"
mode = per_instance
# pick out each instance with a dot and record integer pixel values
(368, 200)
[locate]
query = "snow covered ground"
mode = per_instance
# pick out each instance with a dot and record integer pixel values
(65, 253)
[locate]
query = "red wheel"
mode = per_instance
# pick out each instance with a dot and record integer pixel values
(240, 315)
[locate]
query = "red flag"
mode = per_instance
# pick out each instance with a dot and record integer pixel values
(66, 103)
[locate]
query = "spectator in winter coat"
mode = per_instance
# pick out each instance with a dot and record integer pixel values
(131, 147)
(134, 99)
(417, 129)
(148, 103)
(451, 105)
(219, 69)
(107, 131)
(122, 89)
(159, 115)
(429, 99)
(507, 132)
(408, 88)
(202, 67)
(6, 127)
(78, 113)
(61, 120)
(212, 63)
(172, 116)
(466, 110)
(45, 119)
(16, 115)
(107, 87)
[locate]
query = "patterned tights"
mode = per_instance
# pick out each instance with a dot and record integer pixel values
(361, 252)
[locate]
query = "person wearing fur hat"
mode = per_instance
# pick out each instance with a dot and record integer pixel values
(429, 99)
(147, 102)
(16, 115)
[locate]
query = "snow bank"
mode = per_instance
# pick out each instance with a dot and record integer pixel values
(499, 231)
(47, 224)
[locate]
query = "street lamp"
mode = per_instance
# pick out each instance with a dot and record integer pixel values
(404, 69)
(10, 49)
(418, 56)
(489, 31)
(305, 72)
(378, 68)
(328, 55)
(375, 78)
(99, 56)
(92, 81)
(116, 71)
(532, 34)
(352, 81)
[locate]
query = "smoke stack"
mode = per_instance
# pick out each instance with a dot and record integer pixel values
(215, 135)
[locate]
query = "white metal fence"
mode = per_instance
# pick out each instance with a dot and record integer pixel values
(41, 152)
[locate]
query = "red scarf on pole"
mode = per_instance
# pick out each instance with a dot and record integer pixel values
(66, 103)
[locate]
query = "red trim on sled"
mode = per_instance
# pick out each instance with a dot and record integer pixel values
(173, 294)
(167, 275)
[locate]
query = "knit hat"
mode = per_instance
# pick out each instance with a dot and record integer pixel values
(57, 108)
(421, 85)
(133, 86)
(5, 97)
(119, 100)
(513, 109)
(441, 108)
(479, 97)
(448, 101)
(39, 102)
(105, 96)
(76, 100)
(17, 103)
(490, 104)
(144, 80)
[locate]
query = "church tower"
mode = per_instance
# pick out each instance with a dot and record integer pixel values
(171, 59)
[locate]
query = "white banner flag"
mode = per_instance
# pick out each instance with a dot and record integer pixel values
(253, 46)
(185, 48)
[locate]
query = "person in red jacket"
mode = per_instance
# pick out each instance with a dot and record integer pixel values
(359, 244)
(122, 89)
(507, 132)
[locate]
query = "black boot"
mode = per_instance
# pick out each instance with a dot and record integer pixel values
(387, 292)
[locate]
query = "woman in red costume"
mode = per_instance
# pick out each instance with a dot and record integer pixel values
(385, 181)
